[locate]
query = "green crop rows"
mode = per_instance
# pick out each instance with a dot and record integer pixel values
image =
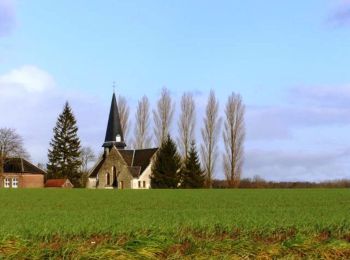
(174, 223)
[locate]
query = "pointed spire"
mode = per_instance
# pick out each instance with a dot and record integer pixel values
(114, 133)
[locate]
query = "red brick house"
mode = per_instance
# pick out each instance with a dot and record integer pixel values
(58, 183)
(20, 173)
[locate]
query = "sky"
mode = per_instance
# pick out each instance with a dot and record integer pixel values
(288, 59)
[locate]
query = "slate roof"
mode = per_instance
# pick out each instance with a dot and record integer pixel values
(136, 160)
(135, 171)
(20, 165)
(114, 127)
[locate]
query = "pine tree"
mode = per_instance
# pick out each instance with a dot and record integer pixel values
(192, 175)
(165, 169)
(64, 161)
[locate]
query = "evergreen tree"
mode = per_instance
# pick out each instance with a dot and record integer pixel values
(192, 175)
(64, 161)
(165, 169)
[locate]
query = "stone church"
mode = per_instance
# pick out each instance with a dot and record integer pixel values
(120, 168)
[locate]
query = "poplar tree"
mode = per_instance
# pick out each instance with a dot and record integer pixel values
(192, 176)
(64, 152)
(165, 169)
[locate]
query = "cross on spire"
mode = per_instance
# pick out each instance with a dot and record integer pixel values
(113, 86)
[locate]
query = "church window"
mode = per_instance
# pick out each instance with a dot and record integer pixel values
(14, 183)
(144, 184)
(7, 183)
(118, 138)
(115, 181)
(108, 181)
(139, 184)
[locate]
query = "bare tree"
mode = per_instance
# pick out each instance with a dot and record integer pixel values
(234, 133)
(210, 132)
(162, 116)
(86, 155)
(186, 123)
(11, 145)
(124, 111)
(142, 137)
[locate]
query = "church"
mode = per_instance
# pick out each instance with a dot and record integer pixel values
(120, 168)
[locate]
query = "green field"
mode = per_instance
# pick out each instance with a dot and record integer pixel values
(175, 223)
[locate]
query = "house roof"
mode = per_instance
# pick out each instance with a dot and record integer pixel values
(21, 165)
(136, 160)
(55, 183)
(114, 127)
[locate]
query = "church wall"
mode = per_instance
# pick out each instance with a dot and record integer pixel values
(124, 178)
(91, 183)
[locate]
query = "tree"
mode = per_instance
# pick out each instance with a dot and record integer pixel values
(165, 168)
(186, 123)
(210, 132)
(124, 110)
(234, 133)
(86, 155)
(163, 116)
(11, 145)
(192, 175)
(142, 137)
(64, 154)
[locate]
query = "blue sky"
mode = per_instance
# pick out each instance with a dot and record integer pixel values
(288, 59)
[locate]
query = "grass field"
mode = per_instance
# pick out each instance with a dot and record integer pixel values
(175, 223)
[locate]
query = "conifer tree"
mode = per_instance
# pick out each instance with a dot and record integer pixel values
(165, 169)
(64, 152)
(192, 175)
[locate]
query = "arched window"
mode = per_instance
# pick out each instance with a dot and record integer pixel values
(118, 138)
(115, 181)
(108, 179)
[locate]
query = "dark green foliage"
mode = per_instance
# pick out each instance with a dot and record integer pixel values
(192, 175)
(165, 169)
(64, 161)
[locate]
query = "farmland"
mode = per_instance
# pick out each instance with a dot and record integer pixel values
(174, 223)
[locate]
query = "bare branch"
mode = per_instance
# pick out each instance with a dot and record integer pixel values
(142, 137)
(86, 155)
(210, 133)
(234, 134)
(11, 145)
(124, 115)
(163, 116)
(186, 123)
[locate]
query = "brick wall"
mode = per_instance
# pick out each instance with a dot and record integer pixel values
(32, 181)
(24, 180)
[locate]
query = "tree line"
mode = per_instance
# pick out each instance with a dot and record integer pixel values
(67, 159)
(233, 132)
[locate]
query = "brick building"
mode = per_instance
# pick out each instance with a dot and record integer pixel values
(20, 173)
(120, 168)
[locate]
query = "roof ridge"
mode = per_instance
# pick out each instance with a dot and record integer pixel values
(133, 157)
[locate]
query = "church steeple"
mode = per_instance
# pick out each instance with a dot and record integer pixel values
(114, 132)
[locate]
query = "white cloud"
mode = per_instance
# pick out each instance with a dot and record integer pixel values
(32, 101)
(29, 79)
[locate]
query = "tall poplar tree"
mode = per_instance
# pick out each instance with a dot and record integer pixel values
(64, 152)
(165, 169)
